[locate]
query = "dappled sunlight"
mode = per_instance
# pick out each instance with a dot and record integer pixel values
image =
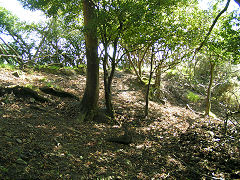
(164, 143)
(129, 89)
(22, 78)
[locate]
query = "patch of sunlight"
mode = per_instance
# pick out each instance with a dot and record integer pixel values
(212, 115)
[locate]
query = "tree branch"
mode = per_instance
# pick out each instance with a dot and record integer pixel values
(212, 26)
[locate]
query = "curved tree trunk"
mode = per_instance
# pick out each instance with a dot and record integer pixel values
(213, 24)
(108, 77)
(107, 86)
(89, 103)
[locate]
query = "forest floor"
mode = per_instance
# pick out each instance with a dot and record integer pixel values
(44, 140)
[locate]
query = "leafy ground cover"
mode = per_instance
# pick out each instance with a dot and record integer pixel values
(44, 141)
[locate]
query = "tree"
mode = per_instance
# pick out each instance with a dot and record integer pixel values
(222, 46)
(59, 43)
(131, 25)
(238, 2)
(126, 24)
(11, 26)
(115, 18)
(149, 82)
(89, 104)
(213, 24)
(71, 11)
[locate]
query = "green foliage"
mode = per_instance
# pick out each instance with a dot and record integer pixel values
(81, 69)
(31, 86)
(202, 70)
(43, 80)
(52, 85)
(145, 81)
(128, 70)
(231, 35)
(7, 98)
(19, 34)
(230, 99)
(3, 169)
(172, 73)
(152, 92)
(174, 28)
(7, 21)
(192, 96)
(8, 66)
(54, 68)
(227, 86)
(228, 92)
(48, 69)
(223, 44)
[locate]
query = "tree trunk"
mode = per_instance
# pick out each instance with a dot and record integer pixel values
(107, 88)
(3, 52)
(158, 78)
(149, 83)
(18, 57)
(208, 99)
(134, 68)
(89, 103)
(109, 77)
(141, 59)
(213, 24)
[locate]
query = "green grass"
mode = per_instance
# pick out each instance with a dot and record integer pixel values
(8, 66)
(192, 96)
(43, 80)
(31, 86)
(171, 73)
(52, 85)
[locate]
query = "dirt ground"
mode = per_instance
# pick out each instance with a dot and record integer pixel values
(44, 140)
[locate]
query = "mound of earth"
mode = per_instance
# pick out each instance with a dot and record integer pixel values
(42, 140)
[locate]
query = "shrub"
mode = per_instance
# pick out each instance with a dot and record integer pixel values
(8, 66)
(193, 97)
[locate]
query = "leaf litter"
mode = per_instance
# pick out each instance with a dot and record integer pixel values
(43, 141)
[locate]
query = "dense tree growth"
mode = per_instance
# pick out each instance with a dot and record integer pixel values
(158, 82)
(124, 32)
(19, 49)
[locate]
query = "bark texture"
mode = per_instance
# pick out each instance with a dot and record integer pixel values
(89, 104)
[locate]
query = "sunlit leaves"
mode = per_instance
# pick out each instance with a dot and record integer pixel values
(230, 33)
(7, 20)
(224, 41)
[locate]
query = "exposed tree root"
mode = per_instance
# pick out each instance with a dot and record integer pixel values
(59, 93)
(23, 92)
